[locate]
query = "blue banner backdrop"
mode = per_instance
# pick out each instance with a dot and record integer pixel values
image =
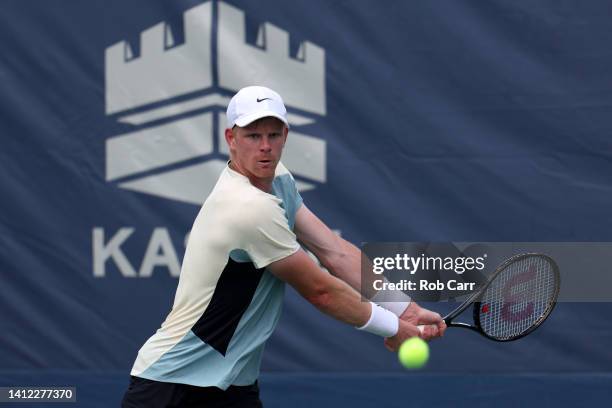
(411, 121)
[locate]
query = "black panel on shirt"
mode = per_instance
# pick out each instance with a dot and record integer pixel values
(232, 297)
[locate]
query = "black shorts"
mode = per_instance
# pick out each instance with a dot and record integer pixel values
(154, 394)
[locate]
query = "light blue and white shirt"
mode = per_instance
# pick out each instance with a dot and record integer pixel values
(226, 304)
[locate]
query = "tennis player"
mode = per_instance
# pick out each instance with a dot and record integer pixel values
(242, 249)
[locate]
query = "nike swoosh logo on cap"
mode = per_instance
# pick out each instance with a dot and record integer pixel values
(261, 100)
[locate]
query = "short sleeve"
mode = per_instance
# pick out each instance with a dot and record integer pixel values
(286, 189)
(298, 199)
(267, 236)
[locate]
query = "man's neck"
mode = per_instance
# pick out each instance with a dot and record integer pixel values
(264, 185)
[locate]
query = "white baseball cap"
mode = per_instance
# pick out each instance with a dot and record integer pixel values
(255, 102)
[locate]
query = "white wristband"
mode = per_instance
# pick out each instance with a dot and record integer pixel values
(396, 301)
(382, 322)
(397, 308)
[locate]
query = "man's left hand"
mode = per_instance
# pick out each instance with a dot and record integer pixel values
(433, 323)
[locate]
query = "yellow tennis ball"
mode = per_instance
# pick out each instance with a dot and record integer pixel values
(413, 353)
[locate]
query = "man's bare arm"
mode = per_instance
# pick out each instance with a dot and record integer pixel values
(337, 299)
(327, 293)
(343, 260)
(337, 255)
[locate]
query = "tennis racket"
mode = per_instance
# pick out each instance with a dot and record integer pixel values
(519, 296)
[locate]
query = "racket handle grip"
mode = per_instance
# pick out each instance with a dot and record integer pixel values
(421, 327)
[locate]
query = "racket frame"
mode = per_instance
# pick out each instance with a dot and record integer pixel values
(475, 298)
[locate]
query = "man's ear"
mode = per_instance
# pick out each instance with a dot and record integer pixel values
(229, 137)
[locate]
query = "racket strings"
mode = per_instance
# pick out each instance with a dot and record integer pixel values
(519, 298)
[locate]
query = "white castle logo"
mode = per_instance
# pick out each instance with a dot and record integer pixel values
(175, 98)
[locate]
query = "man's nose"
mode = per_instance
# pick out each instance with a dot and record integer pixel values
(265, 144)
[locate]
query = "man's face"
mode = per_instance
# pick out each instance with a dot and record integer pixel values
(256, 149)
